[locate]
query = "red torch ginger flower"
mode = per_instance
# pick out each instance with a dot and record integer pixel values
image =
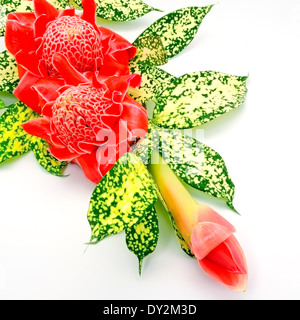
(87, 119)
(208, 235)
(34, 38)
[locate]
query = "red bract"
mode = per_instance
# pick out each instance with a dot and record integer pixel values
(34, 38)
(87, 119)
(207, 234)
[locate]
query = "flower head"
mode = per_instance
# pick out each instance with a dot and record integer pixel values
(34, 39)
(87, 119)
(208, 235)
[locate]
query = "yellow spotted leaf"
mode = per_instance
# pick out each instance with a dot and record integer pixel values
(9, 78)
(197, 98)
(177, 29)
(142, 237)
(122, 198)
(119, 10)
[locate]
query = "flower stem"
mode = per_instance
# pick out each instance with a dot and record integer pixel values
(180, 203)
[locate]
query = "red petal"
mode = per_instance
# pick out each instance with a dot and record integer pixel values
(207, 214)
(26, 94)
(25, 18)
(63, 154)
(47, 88)
(206, 236)
(38, 127)
(111, 67)
(43, 7)
(221, 265)
(18, 36)
(89, 12)
(28, 61)
(90, 166)
(116, 43)
(67, 71)
(67, 12)
(136, 117)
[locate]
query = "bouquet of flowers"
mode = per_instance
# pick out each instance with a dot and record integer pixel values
(74, 91)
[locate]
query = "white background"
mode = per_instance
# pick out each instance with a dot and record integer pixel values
(43, 225)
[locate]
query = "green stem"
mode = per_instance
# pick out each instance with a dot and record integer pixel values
(181, 204)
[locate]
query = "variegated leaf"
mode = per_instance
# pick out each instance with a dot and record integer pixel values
(122, 198)
(177, 29)
(154, 84)
(9, 78)
(194, 162)
(142, 237)
(150, 52)
(119, 10)
(40, 147)
(14, 141)
(197, 98)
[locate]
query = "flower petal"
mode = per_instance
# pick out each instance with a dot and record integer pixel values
(221, 265)
(26, 94)
(43, 7)
(18, 36)
(90, 166)
(136, 117)
(39, 127)
(206, 236)
(63, 154)
(89, 12)
(206, 213)
(67, 71)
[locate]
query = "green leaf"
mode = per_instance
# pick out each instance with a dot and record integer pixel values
(9, 78)
(14, 141)
(7, 99)
(122, 198)
(154, 84)
(177, 29)
(142, 237)
(150, 52)
(119, 10)
(197, 98)
(40, 149)
(194, 162)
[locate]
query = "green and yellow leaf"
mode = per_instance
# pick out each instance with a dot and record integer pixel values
(9, 78)
(177, 29)
(122, 198)
(40, 147)
(150, 52)
(14, 141)
(119, 10)
(142, 237)
(194, 162)
(197, 98)
(154, 84)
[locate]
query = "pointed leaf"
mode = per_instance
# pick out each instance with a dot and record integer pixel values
(14, 141)
(9, 77)
(150, 52)
(197, 98)
(194, 162)
(177, 29)
(155, 83)
(122, 198)
(142, 237)
(40, 149)
(119, 10)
